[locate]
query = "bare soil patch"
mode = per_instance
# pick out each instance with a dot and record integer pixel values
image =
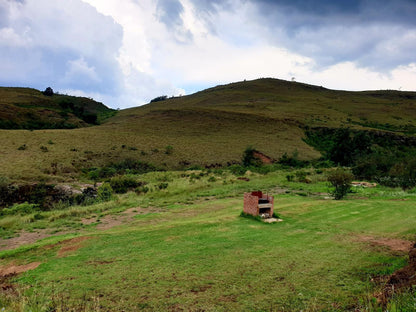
(397, 245)
(110, 221)
(107, 222)
(71, 245)
(25, 238)
(401, 280)
(13, 269)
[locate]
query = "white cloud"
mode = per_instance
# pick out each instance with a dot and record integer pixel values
(124, 54)
(79, 69)
(63, 44)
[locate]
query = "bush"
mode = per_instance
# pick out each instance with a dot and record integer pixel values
(121, 184)
(300, 176)
(159, 98)
(104, 192)
(163, 185)
(88, 197)
(126, 166)
(292, 161)
(48, 91)
(21, 209)
(169, 150)
(249, 159)
(142, 190)
(340, 180)
(22, 147)
(405, 174)
(237, 170)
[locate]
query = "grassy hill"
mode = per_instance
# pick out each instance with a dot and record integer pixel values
(25, 108)
(177, 241)
(210, 127)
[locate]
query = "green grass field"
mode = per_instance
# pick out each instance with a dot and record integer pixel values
(194, 252)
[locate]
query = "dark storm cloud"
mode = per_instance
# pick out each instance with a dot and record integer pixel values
(315, 7)
(372, 33)
(169, 12)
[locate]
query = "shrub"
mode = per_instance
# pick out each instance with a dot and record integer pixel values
(4, 182)
(169, 150)
(292, 161)
(22, 147)
(300, 176)
(163, 185)
(121, 184)
(104, 192)
(88, 197)
(126, 166)
(405, 174)
(48, 91)
(142, 190)
(44, 149)
(159, 98)
(340, 180)
(237, 170)
(24, 208)
(249, 159)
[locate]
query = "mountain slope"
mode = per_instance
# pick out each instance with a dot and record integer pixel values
(25, 108)
(211, 127)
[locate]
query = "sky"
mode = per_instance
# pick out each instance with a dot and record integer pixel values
(126, 52)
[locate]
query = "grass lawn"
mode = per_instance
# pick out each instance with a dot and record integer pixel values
(202, 256)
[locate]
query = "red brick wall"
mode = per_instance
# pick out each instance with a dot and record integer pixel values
(251, 204)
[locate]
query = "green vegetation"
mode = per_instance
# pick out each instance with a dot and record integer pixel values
(143, 211)
(386, 158)
(24, 108)
(209, 129)
(195, 252)
(340, 180)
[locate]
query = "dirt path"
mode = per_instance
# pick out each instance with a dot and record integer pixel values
(104, 223)
(397, 245)
(25, 238)
(13, 269)
(110, 221)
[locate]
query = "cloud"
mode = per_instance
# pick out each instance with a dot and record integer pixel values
(124, 53)
(341, 31)
(64, 44)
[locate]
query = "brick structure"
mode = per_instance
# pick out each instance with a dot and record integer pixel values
(258, 204)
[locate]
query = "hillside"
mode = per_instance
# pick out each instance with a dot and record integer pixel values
(211, 127)
(25, 108)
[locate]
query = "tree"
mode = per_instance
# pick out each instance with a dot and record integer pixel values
(340, 180)
(404, 174)
(48, 91)
(249, 159)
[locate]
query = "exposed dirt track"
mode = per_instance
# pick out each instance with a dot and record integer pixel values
(24, 238)
(401, 280)
(71, 245)
(13, 269)
(105, 223)
(393, 244)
